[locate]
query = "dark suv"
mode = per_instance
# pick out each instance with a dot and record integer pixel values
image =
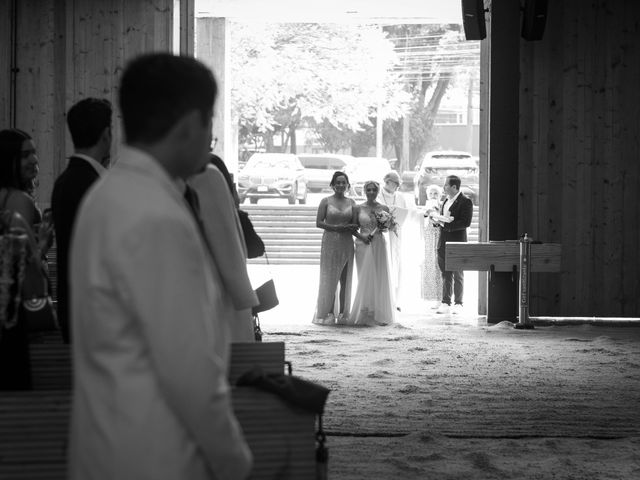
(437, 166)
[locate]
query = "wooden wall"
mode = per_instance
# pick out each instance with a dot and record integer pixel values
(68, 50)
(579, 156)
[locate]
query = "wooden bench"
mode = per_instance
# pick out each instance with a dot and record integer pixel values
(33, 425)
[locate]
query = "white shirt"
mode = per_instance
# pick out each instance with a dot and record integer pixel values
(151, 400)
(447, 204)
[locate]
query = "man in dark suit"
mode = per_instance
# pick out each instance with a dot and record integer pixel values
(89, 123)
(455, 217)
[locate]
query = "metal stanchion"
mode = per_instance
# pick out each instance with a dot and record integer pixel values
(523, 288)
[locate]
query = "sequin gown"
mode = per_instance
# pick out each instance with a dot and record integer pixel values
(431, 274)
(373, 303)
(336, 253)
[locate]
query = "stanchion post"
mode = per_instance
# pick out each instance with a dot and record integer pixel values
(523, 287)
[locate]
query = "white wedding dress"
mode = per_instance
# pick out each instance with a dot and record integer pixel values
(403, 247)
(373, 303)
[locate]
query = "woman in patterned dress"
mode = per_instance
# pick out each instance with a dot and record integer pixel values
(431, 276)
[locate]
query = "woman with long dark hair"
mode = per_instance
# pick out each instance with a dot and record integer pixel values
(18, 173)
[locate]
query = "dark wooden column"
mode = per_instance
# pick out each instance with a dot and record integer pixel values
(504, 66)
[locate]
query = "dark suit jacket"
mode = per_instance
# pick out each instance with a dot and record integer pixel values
(462, 213)
(68, 191)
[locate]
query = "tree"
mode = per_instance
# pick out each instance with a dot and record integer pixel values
(431, 58)
(330, 76)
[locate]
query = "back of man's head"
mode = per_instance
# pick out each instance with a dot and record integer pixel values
(87, 120)
(158, 89)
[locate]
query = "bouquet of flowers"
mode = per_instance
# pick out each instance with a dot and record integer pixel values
(386, 222)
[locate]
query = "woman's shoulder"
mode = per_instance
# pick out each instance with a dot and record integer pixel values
(13, 198)
(21, 202)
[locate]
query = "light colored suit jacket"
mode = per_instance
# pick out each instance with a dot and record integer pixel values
(151, 399)
(224, 233)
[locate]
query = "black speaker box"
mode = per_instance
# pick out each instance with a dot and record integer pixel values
(473, 19)
(534, 18)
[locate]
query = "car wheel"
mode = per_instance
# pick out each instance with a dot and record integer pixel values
(294, 192)
(253, 200)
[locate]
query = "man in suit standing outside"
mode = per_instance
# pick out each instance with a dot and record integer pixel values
(455, 217)
(89, 123)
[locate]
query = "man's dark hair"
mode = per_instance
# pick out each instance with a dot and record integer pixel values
(158, 89)
(87, 119)
(454, 180)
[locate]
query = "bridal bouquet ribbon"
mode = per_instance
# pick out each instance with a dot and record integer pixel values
(386, 222)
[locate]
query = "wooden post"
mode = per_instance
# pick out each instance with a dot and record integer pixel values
(504, 77)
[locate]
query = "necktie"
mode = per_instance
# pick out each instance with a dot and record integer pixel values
(191, 196)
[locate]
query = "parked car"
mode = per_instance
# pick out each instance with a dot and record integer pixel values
(319, 168)
(273, 175)
(366, 168)
(436, 166)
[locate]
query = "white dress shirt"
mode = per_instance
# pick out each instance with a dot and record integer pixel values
(447, 204)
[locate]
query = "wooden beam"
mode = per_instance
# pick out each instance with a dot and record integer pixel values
(503, 256)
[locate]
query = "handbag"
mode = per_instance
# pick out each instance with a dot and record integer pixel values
(266, 294)
(267, 297)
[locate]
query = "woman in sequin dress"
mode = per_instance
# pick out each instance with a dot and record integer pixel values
(337, 217)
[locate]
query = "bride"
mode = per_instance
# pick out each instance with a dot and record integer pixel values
(373, 303)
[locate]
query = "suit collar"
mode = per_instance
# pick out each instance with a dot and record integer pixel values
(100, 170)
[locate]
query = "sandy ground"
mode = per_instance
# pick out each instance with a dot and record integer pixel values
(448, 397)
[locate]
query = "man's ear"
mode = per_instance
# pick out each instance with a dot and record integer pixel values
(106, 136)
(183, 131)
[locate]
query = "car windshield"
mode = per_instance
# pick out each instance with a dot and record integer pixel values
(322, 163)
(469, 174)
(453, 156)
(268, 162)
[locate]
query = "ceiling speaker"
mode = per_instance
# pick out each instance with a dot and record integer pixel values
(534, 18)
(473, 19)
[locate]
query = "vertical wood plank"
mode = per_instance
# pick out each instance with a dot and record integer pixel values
(5, 63)
(629, 94)
(579, 148)
(36, 91)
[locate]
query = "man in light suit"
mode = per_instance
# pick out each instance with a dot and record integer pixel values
(455, 217)
(89, 123)
(151, 400)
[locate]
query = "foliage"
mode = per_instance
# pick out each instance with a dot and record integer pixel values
(337, 78)
(283, 74)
